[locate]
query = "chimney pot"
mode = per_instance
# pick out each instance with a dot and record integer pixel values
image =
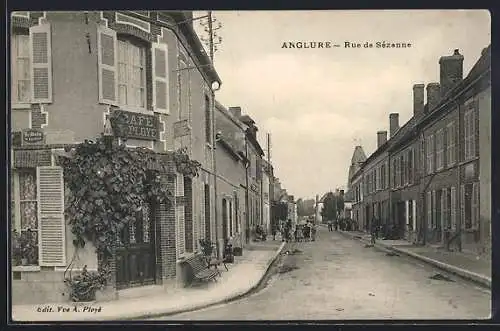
(381, 138)
(433, 96)
(393, 123)
(418, 99)
(450, 71)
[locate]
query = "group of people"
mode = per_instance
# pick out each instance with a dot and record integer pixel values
(303, 232)
(344, 225)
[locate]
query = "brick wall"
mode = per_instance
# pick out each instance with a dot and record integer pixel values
(188, 203)
(165, 227)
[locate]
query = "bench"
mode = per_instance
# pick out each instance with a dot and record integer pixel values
(200, 269)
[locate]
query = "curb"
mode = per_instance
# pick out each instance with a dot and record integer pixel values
(478, 279)
(228, 299)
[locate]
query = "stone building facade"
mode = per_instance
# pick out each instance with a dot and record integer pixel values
(440, 160)
(71, 70)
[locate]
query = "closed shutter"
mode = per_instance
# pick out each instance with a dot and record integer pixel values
(179, 185)
(475, 205)
(52, 232)
(434, 210)
(107, 62)
(443, 208)
(160, 78)
(41, 63)
(462, 204)
(429, 209)
(180, 221)
(407, 212)
(453, 208)
(414, 211)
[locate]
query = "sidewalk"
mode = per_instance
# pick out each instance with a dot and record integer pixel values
(243, 276)
(463, 265)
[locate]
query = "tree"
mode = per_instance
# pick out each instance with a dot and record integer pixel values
(280, 211)
(329, 210)
(340, 203)
(305, 207)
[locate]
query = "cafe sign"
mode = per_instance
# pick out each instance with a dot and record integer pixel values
(135, 125)
(32, 137)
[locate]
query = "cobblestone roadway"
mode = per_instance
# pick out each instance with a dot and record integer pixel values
(339, 278)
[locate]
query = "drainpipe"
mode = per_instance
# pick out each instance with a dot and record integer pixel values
(247, 198)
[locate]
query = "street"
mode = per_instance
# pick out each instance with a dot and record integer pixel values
(339, 278)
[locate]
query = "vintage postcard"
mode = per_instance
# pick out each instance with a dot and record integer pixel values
(250, 165)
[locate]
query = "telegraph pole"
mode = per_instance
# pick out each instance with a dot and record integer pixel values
(211, 49)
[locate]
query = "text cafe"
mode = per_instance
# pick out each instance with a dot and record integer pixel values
(135, 125)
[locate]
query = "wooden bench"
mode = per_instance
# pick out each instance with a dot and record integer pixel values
(200, 269)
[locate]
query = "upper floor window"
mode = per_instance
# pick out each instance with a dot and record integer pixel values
(470, 130)
(410, 166)
(20, 68)
(450, 144)
(131, 74)
(430, 154)
(439, 149)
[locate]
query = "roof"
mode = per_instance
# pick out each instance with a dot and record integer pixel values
(183, 21)
(358, 155)
(403, 134)
(482, 66)
(247, 119)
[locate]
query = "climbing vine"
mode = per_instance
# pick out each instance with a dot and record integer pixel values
(184, 165)
(108, 185)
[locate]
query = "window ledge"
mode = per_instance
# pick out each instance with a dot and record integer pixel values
(133, 109)
(26, 268)
(21, 106)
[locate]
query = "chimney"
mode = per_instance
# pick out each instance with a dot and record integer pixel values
(393, 123)
(418, 99)
(450, 71)
(433, 96)
(236, 111)
(381, 138)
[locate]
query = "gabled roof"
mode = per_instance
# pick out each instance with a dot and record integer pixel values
(358, 155)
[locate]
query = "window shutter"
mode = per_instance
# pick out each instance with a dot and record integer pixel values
(434, 209)
(160, 77)
(107, 46)
(429, 210)
(443, 207)
(52, 233)
(453, 208)
(407, 213)
(41, 63)
(462, 204)
(475, 205)
(181, 239)
(414, 211)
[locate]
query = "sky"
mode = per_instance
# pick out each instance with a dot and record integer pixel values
(318, 104)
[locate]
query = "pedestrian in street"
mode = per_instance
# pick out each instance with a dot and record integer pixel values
(336, 225)
(330, 225)
(373, 231)
(313, 232)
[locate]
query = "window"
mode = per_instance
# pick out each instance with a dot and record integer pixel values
(131, 74)
(470, 205)
(453, 208)
(430, 154)
(394, 173)
(382, 176)
(445, 207)
(20, 69)
(184, 90)
(207, 211)
(439, 149)
(208, 127)
(401, 168)
(428, 206)
(469, 130)
(39, 216)
(25, 221)
(410, 166)
(450, 144)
